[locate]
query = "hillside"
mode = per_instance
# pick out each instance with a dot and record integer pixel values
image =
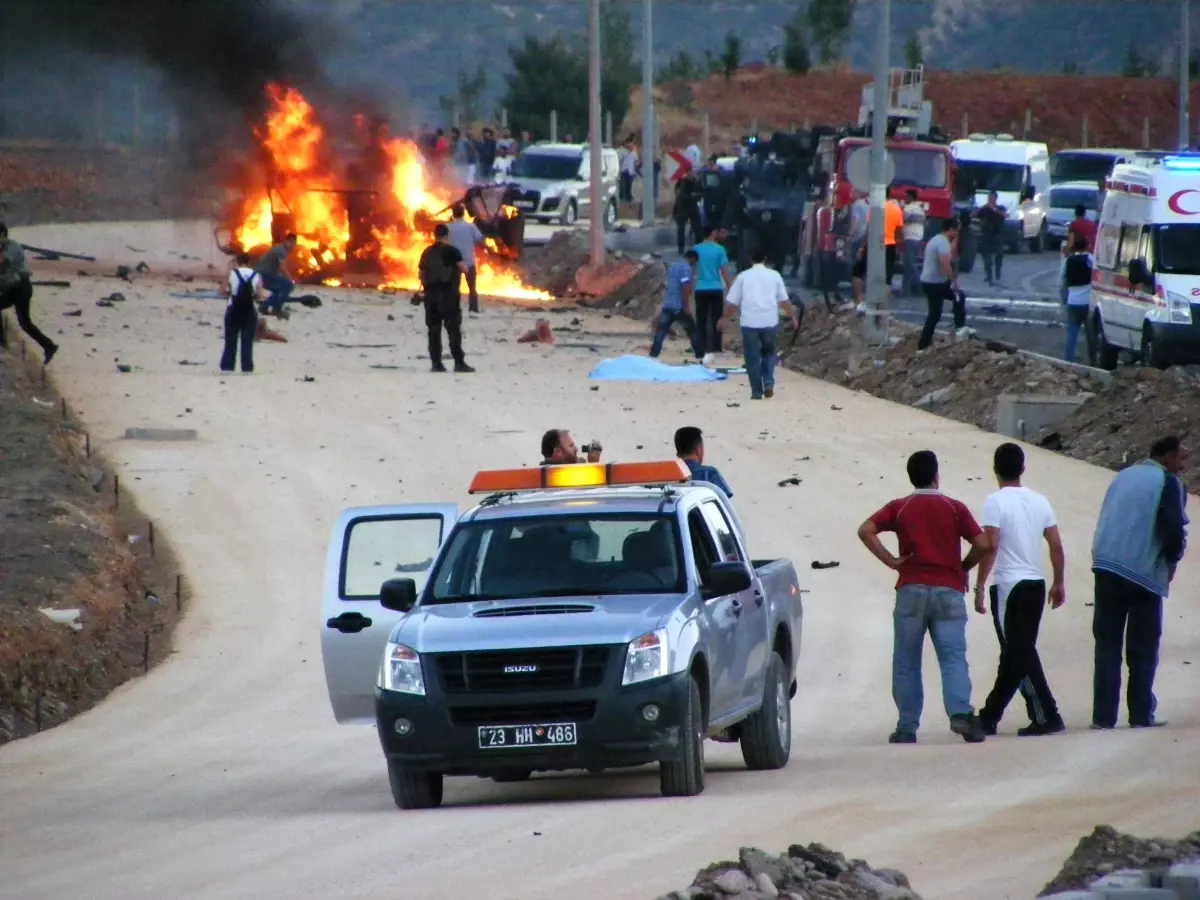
(993, 102)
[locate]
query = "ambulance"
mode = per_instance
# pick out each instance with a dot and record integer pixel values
(1146, 281)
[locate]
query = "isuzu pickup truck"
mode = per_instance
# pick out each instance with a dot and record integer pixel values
(579, 617)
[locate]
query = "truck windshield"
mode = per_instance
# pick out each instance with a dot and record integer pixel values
(1068, 166)
(560, 556)
(974, 176)
(1178, 249)
(914, 168)
(546, 166)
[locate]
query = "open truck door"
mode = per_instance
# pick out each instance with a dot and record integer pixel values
(369, 545)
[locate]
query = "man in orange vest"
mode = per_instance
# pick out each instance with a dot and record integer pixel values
(893, 234)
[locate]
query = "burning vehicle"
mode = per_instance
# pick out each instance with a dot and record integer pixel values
(363, 209)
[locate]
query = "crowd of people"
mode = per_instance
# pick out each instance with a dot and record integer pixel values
(1139, 539)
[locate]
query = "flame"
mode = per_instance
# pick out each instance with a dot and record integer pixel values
(304, 185)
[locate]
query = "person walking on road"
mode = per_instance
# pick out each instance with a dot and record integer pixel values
(441, 268)
(686, 211)
(759, 293)
(1084, 227)
(712, 278)
(275, 277)
(16, 290)
(930, 596)
(1077, 283)
(464, 237)
(1140, 538)
(1016, 520)
(940, 282)
(677, 306)
(992, 217)
(914, 234)
(241, 318)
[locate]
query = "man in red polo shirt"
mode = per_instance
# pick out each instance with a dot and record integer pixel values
(930, 596)
(1081, 225)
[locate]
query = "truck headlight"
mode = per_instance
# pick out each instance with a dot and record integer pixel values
(401, 670)
(1180, 308)
(646, 658)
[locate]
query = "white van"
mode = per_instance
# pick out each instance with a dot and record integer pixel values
(554, 182)
(1146, 283)
(1019, 173)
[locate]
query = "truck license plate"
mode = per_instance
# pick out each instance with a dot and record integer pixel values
(524, 204)
(498, 737)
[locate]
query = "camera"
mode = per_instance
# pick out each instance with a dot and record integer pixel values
(593, 447)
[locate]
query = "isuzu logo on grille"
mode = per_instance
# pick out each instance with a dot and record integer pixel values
(519, 670)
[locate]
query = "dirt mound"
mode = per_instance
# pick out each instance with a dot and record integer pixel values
(1141, 405)
(992, 101)
(64, 548)
(1106, 850)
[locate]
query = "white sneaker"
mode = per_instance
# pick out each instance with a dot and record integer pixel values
(860, 310)
(965, 332)
(707, 360)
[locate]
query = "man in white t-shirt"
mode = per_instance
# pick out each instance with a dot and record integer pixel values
(758, 294)
(1016, 521)
(241, 319)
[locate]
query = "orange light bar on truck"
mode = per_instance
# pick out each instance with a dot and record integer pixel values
(583, 475)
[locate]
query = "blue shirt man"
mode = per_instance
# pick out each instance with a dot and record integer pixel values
(689, 447)
(676, 306)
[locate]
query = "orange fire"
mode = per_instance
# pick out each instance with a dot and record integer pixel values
(305, 185)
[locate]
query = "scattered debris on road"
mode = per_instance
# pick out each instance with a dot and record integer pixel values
(1107, 850)
(813, 871)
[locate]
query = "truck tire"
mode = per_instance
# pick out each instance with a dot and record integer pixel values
(570, 214)
(413, 788)
(684, 777)
(767, 734)
(1152, 355)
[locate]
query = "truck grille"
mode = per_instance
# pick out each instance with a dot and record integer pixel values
(524, 714)
(511, 671)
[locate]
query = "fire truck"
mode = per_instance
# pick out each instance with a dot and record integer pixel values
(919, 155)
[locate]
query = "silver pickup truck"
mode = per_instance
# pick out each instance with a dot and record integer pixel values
(613, 624)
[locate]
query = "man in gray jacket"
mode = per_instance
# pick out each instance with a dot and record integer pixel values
(1140, 538)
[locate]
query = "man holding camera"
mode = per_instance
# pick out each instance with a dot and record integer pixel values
(558, 449)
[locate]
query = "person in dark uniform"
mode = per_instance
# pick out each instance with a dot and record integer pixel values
(442, 268)
(16, 290)
(686, 211)
(991, 237)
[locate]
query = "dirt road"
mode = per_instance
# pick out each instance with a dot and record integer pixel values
(222, 774)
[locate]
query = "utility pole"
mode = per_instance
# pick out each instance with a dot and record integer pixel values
(875, 323)
(596, 199)
(1185, 59)
(648, 136)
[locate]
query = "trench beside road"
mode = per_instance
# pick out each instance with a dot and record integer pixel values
(222, 774)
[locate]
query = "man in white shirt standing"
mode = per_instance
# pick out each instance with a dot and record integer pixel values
(241, 318)
(759, 294)
(464, 235)
(914, 234)
(1016, 521)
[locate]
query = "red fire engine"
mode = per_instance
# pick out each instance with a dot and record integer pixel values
(923, 164)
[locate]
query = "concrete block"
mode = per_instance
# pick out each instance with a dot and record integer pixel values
(1024, 416)
(161, 434)
(1122, 878)
(1184, 879)
(1071, 895)
(1134, 893)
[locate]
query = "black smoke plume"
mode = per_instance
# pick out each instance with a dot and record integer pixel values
(206, 50)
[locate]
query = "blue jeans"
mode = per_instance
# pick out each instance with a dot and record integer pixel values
(912, 271)
(1076, 320)
(281, 290)
(943, 613)
(759, 345)
(667, 318)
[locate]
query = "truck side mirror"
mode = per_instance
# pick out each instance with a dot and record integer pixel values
(726, 578)
(398, 594)
(1138, 273)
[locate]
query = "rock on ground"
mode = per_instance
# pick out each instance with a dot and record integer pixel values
(1107, 850)
(812, 872)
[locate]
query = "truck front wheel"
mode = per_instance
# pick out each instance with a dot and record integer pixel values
(767, 734)
(414, 789)
(684, 777)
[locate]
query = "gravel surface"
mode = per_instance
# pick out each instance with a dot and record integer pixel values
(1106, 850)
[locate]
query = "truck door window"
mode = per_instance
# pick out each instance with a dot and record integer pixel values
(379, 549)
(1128, 245)
(1146, 247)
(726, 542)
(704, 548)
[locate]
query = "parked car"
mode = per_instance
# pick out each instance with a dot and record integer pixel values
(554, 183)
